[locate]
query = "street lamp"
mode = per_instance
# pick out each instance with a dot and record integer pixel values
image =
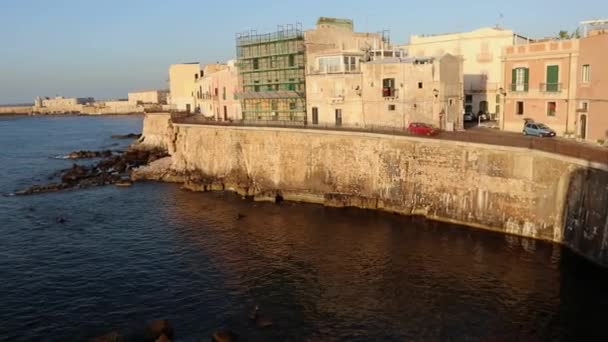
(503, 93)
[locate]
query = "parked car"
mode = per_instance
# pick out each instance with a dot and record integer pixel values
(538, 129)
(420, 128)
(468, 117)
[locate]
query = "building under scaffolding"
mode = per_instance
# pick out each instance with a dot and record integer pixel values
(271, 74)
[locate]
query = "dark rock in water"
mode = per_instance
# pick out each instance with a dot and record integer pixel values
(112, 169)
(89, 154)
(156, 328)
(74, 174)
(126, 136)
(261, 321)
(111, 337)
(224, 336)
(61, 219)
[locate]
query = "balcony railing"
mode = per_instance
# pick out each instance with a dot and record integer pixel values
(550, 87)
(519, 87)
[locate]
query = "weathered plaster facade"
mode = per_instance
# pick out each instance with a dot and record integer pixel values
(509, 190)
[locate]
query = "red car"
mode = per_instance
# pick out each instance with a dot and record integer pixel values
(422, 129)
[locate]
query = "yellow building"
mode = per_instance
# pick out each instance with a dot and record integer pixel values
(481, 51)
(182, 79)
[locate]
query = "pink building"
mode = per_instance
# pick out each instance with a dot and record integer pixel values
(540, 85)
(592, 87)
(215, 92)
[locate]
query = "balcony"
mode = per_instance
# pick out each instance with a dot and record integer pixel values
(519, 87)
(550, 87)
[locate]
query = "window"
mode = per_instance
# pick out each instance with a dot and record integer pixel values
(551, 108)
(292, 60)
(291, 85)
(552, 78)
(520, 78)
(224, 93)
(338, 117)
(350, 63)
(519, 108)
(419, 85)
(450, 102)
(274, 105)
(330, 64)
(391, 107)
(225, 113)
(292, 106)
(315, 115)
(388, 87)
(468, 109)
(215, 92)
(468, 98)
(584, 106)
(256, 86)
(256, 64)
(586, 73)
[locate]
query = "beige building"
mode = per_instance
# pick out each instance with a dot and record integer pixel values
(149, 97)
(481, 51)
(215, 92)
(60, 104)
(182, 79)
(540, 79)
(358, 79)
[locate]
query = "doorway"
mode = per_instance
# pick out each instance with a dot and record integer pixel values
(584, 127)
(338, 117)
(188, 108)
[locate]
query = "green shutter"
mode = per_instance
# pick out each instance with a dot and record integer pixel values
(552, 77)
(526, 78)
(513, 79)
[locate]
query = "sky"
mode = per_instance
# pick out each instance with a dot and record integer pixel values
(105, 48)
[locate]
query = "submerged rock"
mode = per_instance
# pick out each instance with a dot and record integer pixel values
(157, 328)
(110, 337)
(126, 136)
(89, 154)
(224, 336)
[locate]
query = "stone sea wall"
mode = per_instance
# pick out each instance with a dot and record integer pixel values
(9, 110)
(503, 189)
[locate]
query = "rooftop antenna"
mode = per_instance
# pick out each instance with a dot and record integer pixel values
(501, 18)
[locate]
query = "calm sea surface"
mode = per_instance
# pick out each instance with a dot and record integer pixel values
(125, 256)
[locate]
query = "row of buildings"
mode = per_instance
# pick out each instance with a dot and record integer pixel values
(137, 102)
(333, 75)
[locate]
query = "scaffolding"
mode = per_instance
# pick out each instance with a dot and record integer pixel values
(271, 74)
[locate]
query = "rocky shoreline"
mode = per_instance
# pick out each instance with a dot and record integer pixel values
(113, 168)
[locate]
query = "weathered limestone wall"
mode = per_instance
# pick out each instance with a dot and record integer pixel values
(509, 190)
(157, 130)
